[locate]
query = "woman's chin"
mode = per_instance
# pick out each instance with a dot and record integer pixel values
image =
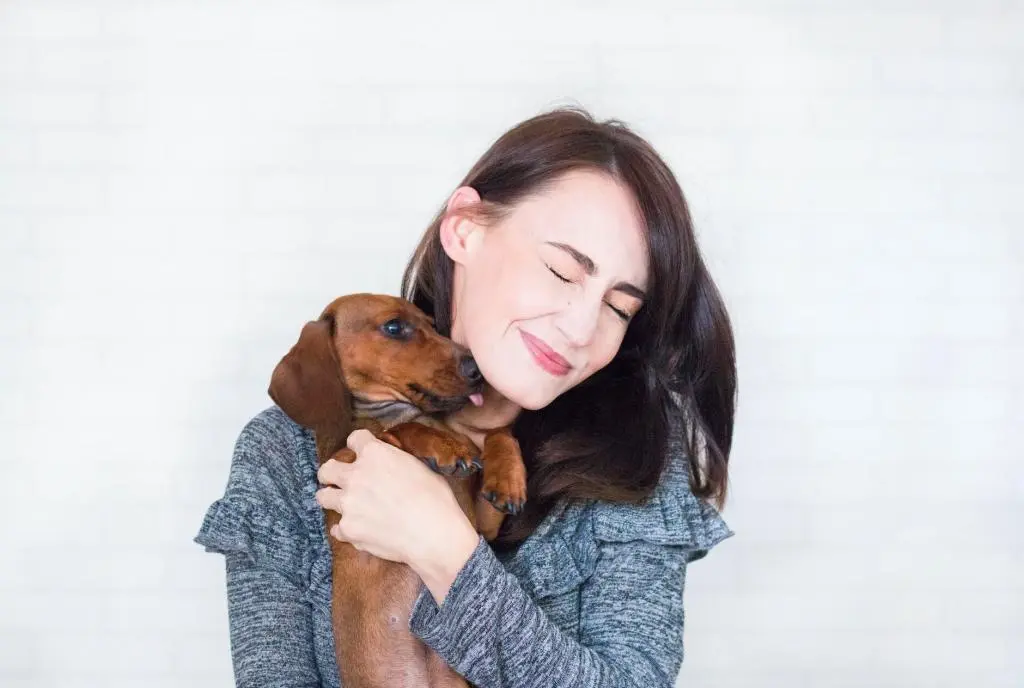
(524, 395)
(524, 386)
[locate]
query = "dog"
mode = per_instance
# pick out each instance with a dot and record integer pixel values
(375, 361)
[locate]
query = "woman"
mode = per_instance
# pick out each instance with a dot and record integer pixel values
(566, 261)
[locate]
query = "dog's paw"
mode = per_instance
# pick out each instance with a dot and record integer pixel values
(444, 452)
(468, 467)
(504, 503)
(458, 466)
(506, 493)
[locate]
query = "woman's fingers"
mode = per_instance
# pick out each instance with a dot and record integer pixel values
(358, 439)
(329, 498)
(335, 475)
(332, 472)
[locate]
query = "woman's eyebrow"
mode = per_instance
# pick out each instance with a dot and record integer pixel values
(590, 268)
(583, 259)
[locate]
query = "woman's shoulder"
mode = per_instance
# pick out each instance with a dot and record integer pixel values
(565, 548)
(673, 515)
(273, 458)
(271, 486)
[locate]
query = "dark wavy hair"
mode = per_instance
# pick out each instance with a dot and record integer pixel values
(608, 437)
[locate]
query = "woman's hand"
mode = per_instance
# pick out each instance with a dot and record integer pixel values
(394, 507)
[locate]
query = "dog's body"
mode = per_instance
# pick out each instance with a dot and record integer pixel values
(375, 362)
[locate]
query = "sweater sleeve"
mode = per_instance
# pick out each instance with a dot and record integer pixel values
(256, 528)
(493, 633)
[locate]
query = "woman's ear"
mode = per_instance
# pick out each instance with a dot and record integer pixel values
(459, 233)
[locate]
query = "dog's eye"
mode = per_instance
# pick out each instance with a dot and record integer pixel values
(396, 329)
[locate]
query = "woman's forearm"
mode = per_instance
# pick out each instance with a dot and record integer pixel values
(439, 567)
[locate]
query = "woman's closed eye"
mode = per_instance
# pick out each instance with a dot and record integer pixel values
(618, 311)
(559, 275)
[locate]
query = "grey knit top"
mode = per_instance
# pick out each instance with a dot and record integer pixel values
(593, 597)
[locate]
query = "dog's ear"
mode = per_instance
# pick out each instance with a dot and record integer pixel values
(307, 384)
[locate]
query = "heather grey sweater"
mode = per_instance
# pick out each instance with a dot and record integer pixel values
(594, 597)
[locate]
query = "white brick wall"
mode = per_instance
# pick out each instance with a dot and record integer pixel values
(182, 184)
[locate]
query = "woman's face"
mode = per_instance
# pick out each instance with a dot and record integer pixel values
(543, 298)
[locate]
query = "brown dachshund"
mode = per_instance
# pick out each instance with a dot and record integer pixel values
(376, 362)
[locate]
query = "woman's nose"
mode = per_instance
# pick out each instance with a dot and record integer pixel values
(578, 322)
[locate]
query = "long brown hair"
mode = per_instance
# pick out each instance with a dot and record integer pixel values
(675, 372)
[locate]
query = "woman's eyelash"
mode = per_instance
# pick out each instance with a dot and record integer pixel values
(622, 314)
(564, 279)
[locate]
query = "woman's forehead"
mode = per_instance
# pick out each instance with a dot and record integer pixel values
(594, 215)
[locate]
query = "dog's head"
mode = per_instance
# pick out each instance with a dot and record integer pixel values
(377, 355)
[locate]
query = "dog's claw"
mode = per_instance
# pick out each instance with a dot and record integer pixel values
(508, 507)
(459, 467)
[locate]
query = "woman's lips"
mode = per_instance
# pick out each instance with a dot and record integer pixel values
(546, 357)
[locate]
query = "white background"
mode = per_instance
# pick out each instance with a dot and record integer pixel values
(183, 184)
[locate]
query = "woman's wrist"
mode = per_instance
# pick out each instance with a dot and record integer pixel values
(439, 567)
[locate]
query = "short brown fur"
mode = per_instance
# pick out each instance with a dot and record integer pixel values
(346, 373)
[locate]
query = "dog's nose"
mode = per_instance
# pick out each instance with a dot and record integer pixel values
(468, 370)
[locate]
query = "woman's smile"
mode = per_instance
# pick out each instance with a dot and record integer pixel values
(546, 357)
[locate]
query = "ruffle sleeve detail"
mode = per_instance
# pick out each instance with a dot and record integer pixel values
(672, 516)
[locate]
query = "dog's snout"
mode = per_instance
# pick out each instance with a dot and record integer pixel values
(469, 370)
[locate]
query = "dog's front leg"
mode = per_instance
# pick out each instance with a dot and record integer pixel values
(503, 490)
(446, 452)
